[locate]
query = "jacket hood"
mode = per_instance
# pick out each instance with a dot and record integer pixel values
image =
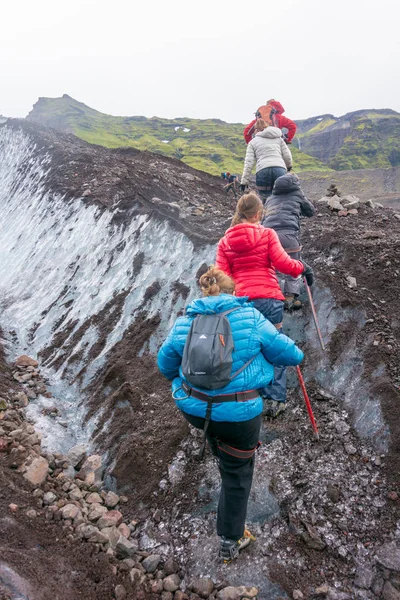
(244, 237)
(211, 305)
(270, 132)
(286, 183)
(277, 106)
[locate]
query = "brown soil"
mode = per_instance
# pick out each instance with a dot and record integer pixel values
(139, 427)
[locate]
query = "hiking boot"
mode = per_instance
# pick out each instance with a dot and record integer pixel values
(297, 303)
(230, 549)
(273, 408)
(288, 303)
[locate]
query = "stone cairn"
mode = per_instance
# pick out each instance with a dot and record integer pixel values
(344, 206)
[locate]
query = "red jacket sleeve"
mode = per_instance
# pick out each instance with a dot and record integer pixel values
(290, 126)
(222, 262)
(249, 130)
(280, 259)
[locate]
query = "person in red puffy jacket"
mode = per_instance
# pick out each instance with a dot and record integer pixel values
(277, 120)
(251, 254)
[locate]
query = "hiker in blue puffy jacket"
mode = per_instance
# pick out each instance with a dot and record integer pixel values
(233, 429)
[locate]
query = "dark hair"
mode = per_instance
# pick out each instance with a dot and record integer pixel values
(247, 208)
(215, 282)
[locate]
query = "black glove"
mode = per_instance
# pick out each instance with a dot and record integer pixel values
(289, 169)
(243, 187)
(308, 273)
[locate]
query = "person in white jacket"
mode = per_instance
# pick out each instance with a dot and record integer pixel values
(272, 156)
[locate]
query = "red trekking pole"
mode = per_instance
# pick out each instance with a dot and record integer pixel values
(314, 314)
(308, 403)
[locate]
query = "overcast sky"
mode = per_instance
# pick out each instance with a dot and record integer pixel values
(208, 58)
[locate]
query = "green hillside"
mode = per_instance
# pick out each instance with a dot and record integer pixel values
(365, 139)
(210, 145)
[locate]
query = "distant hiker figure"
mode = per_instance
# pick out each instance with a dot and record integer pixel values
(271, 155)
(233, 183)
(250, 253)
(233, 411)
(272, 114)
(282, 213)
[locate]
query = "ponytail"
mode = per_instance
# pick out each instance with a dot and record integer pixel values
(247, 208)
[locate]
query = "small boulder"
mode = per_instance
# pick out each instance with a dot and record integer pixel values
(151, 562)
(351, 282)
(322, 590)
(172, 583)
(91, 470)
(94, 498)
(49, 498)
(349, 199)
(334, 203)
(228, 593)
(37, 471)
(75, 494)
(388, 556)
(111, 499)
(171, 566)
(120, 592)
(368, 203)
(124, 530)
(157, 586)
(70, 511)
(22, 399)
(26, 361)
(96, 511)
(203, 586)
(136, 575)
(112, 534)
(76, 455)
(125, 548)
(364, 576)
(113, 518)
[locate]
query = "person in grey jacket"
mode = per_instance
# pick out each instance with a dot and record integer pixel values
(283, 210)
(272, 156)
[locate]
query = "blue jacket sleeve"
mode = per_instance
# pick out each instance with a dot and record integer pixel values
(168, 358)
(277, 348)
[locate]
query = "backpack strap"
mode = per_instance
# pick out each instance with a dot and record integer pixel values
(226, 312)
(242, 368)
(206, 424)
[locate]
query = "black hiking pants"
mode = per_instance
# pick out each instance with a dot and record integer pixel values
(236, 473)
(265, 180)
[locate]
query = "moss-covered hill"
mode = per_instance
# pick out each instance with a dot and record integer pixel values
(364, 139)
(210, 145)
(359, 140)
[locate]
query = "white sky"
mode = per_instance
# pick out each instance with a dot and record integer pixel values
(208, 58)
